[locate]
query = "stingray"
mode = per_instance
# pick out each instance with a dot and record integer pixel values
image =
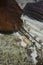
(10, 14)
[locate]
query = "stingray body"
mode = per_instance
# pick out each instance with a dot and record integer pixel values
(10, 14)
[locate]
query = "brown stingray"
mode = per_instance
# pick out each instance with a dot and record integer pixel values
(10, 14)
